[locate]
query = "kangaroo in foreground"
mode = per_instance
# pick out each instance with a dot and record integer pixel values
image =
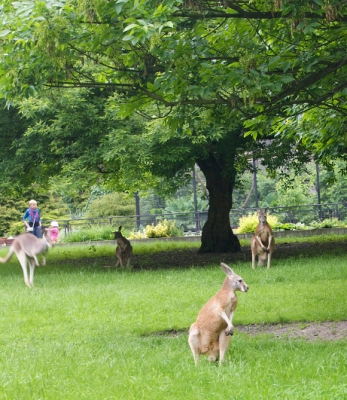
(210, 333)
(27, 247)
(124, 250)
(263, 242)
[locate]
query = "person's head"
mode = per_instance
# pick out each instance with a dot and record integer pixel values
(33, 204)
(54, 224)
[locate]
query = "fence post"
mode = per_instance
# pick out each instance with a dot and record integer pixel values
(137, 208)
(195, 203)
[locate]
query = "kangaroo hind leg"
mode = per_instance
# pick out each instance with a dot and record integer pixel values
(224, 341)
(194, 342)
(22, 257)
(32, 264)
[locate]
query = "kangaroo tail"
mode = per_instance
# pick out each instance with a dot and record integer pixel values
(9, 255)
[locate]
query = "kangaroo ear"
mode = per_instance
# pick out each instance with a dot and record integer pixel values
(120, 228)
(227, 269)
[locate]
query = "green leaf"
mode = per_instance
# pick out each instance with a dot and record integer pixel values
(131, 26)
(5, 32)
(286, 78)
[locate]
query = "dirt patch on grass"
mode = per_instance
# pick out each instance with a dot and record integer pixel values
(327, 330)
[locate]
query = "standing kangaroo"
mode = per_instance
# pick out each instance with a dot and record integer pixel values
(27, 247)
(124, 250)
(210, 333)
(263, 242)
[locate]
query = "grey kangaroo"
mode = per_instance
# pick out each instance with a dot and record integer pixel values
(124, 250)
(27, 247)
(263, 242)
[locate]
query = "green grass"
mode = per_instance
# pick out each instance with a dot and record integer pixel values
(85, 332)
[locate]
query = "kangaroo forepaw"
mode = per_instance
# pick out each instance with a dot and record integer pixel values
(229, 331)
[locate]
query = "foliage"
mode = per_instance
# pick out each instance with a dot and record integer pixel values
(249, 223)
(86, 234)
(329, 223)
(185, 205)
(295, 192)
(138, 233)
(163, 228)
(287, 226)
(111, 204)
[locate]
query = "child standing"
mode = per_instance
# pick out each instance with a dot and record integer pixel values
(54, 231)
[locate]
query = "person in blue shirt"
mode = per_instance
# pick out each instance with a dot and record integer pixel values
(32, 219)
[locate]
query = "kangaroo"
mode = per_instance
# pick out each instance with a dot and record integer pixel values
(124, 250)
(27, 247)
(210, 333)
(263, 241)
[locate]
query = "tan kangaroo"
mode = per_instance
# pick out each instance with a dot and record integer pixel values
(210, 333)
(263, 241)
(124, 250)
(27, 247)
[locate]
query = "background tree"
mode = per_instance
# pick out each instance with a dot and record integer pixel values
(110, 204)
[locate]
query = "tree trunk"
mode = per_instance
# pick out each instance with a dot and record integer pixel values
(217, 235)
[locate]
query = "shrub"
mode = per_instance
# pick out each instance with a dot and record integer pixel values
(111, 204)
(248, 224)
(164, 228)
(329, 223)
(288, 226)
(90, 233)
(137, 233)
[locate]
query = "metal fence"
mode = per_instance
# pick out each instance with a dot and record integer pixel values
(194, 221)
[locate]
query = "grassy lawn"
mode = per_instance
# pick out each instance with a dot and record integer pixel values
(85, 332)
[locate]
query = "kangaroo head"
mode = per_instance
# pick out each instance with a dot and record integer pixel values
(262, 216)
(47, 237)
(118, 234)
(236, 281)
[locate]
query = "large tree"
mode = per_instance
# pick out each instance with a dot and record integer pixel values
(253, 63)
(72, 142)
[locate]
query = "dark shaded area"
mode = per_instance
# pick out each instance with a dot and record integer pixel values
(189, 257)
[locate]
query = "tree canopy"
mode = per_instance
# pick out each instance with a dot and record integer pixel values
(256, 58)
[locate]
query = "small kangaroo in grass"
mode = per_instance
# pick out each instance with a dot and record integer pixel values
(263, 241)
(27, 247)
(210, 333)
(124, 250)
